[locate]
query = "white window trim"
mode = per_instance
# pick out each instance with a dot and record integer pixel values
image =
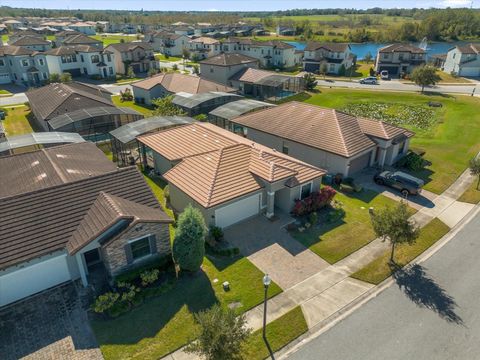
(302, 185)
(129, 242)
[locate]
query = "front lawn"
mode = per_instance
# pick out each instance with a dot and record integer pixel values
(379, 269)
(144, 109)
(16, 122)
(472, 194)
(337, 237)
(449, 141)
(113, 39)
(280, 332)
(166, 323)
(162, 57)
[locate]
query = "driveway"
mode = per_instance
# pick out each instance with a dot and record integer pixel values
(268, 245)
(50, 325)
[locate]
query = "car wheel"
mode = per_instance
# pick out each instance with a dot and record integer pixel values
(405, 192)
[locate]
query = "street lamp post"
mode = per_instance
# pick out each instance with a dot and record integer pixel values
(266, 283)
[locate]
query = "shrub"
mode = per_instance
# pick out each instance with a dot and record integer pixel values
(174, 67)
(216, 233)
(126, 95)
(105, 302)
(166, 193)
(313, 218)
(133, 276)
(314, 201)
(149, 276)
(129, 291)
(201, 117)
(411, 161)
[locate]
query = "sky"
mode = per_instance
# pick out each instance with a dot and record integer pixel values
(232, 5)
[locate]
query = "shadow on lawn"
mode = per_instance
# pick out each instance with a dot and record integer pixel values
(425, 292)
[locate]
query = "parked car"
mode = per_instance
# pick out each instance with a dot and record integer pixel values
(369, 80)
(405, 183)
(384, 75)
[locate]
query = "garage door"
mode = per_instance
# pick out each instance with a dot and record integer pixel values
(312, 67)
(392, 70)
(359, 163)
(74, 72)
(32, 279)
(5, 79)
(470, 71)
(240, 210)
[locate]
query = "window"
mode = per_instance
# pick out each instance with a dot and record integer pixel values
(95, 59)
(109, 57)
(2, 63)
(305, 190)
(110, 70)
(140, 248)
(82, 59)
(45, 76)
(25, 62)
(285, 148)
(41, 62)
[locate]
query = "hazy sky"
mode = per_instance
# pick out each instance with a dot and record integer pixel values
(232, 5)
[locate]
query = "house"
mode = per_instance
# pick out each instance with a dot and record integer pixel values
(12, 24)
(22, 66)
(399, 59)
(36, 43)
(336, 56)
(183, 30)
(84, 28)
(138, 55)
(166, 84)
(222, 67)
(78, 39)
(81, 60)
(77, 107)
(72, 214)
(264, 84)
(227, 177)
(168, 43)
(327, 138)
(62, 35)
(463, 60)
(285, 31)
(204, 47)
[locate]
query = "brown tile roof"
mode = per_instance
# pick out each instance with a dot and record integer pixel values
(252, 75)
(401, 48)
(50, 167)
(105, 212)
(128, 46)
(175, 83)
(469, 48)
(70, 50)
(30, 40)
(15, 50)
(325, 129)
(229, 59)
(80, 39)
(205, 40)
(382, 130)
(57, 99)
(333, 47)
(43, 221)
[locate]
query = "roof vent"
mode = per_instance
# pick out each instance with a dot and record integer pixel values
(36, 162)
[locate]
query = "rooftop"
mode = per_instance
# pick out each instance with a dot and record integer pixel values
(401, 48)
(229, 59)
(237, 108)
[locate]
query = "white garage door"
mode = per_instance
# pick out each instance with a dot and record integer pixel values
(237, 211)
(470, 71)
(5, 79)
(32, 279)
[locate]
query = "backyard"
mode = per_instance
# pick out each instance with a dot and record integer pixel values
(147, 111)
(448, 135)
(16, 121)
(341, 232)
(114, 39)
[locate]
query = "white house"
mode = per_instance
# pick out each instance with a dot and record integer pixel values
(463, 60)
(22, 66)
(168, 43)
(333, 55)
(83, 27)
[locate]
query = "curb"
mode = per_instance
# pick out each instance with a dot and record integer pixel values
(348, 309)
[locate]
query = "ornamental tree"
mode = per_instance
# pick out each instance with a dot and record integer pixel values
(425, 76)
(189, 242)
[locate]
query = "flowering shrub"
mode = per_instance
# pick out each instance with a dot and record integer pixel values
(314, 201)
(418, 116)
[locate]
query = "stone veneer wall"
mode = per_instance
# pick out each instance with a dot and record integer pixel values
(114, 255)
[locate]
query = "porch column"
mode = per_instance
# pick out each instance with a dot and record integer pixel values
(381, 160)
(81, 268)
(270, 203)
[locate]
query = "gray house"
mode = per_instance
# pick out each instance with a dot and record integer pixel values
(221, 68)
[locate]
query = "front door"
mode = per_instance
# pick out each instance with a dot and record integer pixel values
(92, 257)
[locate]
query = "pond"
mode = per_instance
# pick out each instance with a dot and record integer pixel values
(362, 49)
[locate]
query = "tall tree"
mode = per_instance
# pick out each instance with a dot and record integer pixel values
(165, 107)
(393, 224)
(425, 76)
(189, 242)
(475, 168)
(220, 335)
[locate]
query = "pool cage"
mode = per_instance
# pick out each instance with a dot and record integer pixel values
(204, 102)
(36, 141)
(274, 87)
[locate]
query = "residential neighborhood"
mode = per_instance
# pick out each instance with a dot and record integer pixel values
(230, 180)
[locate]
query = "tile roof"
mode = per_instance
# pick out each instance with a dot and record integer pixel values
(382, 130)
(469, 48)
(128, 46)
(325, 129)
(41, 222)
(252, 75)
(105, 212)
(15, 50)
(80, 39)
(401, 48)
(70, 50)
(56, 99)
(30, 40)
(225, 59)
(205, 40)
(333, 47)
(175, 83)
(51, 166)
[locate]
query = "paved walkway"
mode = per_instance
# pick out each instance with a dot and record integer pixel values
(331, 289)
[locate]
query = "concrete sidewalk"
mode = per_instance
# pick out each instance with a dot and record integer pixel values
(331, 289)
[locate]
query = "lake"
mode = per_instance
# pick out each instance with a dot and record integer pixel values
(362, 49)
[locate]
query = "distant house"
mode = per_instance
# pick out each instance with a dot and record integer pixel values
(22, 66)
(229, 178)
(168, 43)
(334, 55)
(138, 55)
(13, 24)
(77, 107)
(36, 43)
(222, 67)
(78, 39)
(84, 28)
(463, 60)
(399, 59)
(285, 31)
(204, 47)
(171, 83)
(73, 209)
(327, 138)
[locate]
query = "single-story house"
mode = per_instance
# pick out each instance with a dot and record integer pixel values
(73, 213)
(226, 176)
(327, 138)
(166, 84)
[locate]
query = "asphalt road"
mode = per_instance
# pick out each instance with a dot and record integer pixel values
(394, 85)
(434, 316)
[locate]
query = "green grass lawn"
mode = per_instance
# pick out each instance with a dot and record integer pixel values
(16, 122)
(335, 240)
(280, 332)
(4, 38)
(379, 269)
(448, 145)
(128, 80)
(472, 194)
(165, 323)
(5, 92)
(113, 39)
(162, 57)
(144, 109)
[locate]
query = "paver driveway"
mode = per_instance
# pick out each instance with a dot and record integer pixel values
(268, 245)
(51, 325)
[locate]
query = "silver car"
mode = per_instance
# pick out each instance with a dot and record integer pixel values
(369, 80)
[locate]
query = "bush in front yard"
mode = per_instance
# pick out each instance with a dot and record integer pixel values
(412, 161)
(105, 302)
(149, 276)
(134, 276)
(314, 201)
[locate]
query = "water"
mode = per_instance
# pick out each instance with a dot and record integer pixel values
(362, 49)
